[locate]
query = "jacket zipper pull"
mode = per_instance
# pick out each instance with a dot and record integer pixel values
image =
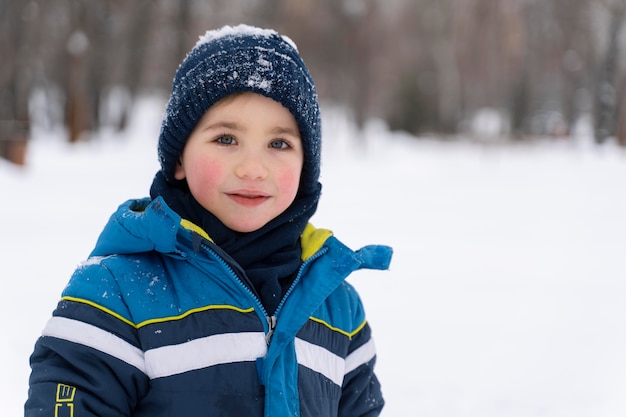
(271, 321)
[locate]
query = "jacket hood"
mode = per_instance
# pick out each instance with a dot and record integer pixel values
(139, 226)
(146, 225)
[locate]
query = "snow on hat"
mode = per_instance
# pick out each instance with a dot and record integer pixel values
(238, 59)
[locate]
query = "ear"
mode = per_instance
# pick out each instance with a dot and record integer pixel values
(179, 171)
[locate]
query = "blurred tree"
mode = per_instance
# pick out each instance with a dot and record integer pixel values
(423, 65)
(606, 94)
(414, 103)
(129, 31)
(16, 74)
(575, 51)
(80, 94)
(621, 110)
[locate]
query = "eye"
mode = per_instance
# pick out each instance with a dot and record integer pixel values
(279, 144)
(226, 140)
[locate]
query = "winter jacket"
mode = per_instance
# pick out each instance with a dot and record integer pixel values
(158, 323)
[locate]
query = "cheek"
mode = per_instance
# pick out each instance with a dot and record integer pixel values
(289, 181)
(204, 173)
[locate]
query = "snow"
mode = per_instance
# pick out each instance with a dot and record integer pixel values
(506, 296)
(241, 30)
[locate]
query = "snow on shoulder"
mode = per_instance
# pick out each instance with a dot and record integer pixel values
(241, 30)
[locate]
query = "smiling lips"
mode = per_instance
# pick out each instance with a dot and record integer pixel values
(248, 199)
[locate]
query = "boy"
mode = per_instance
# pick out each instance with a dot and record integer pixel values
(216, 297)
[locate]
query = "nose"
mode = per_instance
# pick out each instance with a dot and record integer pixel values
(251, 166)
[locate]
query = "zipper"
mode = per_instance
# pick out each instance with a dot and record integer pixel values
(298, 278)
(271, 321)
(237, 279)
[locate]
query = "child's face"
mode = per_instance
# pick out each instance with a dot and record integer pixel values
(243, 161)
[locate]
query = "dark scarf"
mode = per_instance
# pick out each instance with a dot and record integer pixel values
(270, 256)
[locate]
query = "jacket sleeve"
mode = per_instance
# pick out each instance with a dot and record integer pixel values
(361, 392)
(87, 361)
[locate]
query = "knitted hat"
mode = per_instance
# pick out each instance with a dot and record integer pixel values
(238, 59)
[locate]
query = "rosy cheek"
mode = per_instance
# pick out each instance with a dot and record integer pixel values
(288, 181)
(207, 173)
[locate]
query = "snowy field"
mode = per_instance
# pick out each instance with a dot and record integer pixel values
(507, 293)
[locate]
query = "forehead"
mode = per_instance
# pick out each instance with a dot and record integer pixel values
(246, 110)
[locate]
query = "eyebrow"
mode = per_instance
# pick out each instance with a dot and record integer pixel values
(278, 130)
(223, 125)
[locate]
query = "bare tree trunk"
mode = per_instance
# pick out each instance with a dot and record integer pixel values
(137, 39)
(621, 113)
(15, 81)
(77, 104)
(606, 94)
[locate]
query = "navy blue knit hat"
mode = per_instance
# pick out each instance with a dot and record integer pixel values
(238, 59)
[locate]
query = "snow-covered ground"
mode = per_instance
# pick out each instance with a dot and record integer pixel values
(506, 296)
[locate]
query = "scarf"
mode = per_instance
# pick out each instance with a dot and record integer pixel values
(270, 257)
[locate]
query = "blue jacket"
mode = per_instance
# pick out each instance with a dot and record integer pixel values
(157, 323)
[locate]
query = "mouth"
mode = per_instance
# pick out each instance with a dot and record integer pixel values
(248, 199)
